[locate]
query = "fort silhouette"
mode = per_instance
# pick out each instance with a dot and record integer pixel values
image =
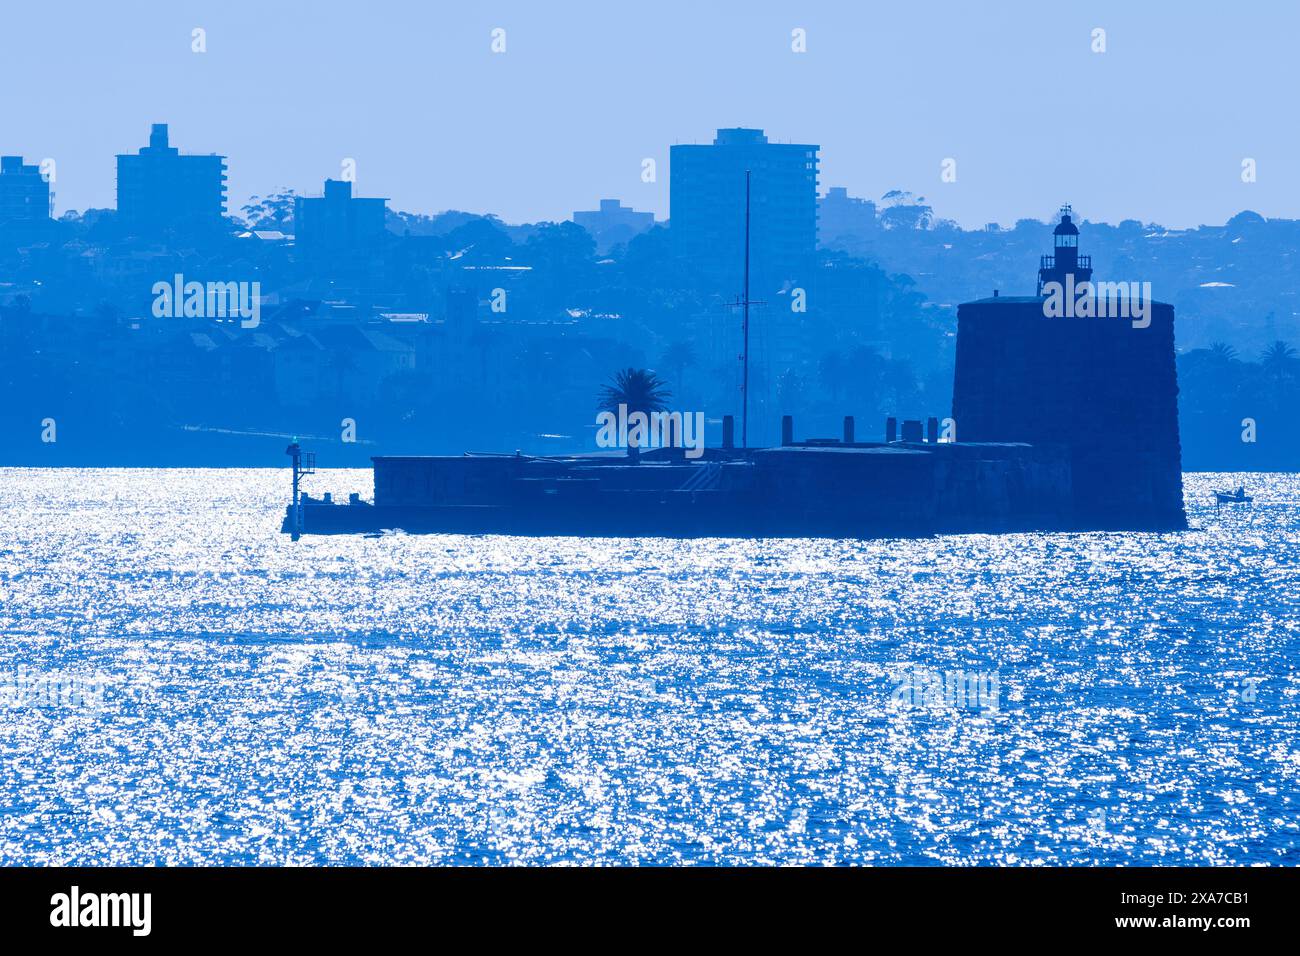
(1060, 423)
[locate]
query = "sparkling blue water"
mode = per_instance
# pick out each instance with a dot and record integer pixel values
(237, 698)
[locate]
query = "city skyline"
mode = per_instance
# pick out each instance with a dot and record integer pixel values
(435, 120)
(614, 207)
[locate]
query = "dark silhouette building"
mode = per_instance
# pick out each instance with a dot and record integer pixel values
(24, 192)
(707, 200)
(841, 216)
(1104, 387)
(159, 189)
(337, 222)
(613, 223)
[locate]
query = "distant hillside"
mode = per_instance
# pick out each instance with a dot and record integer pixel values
(1235, 283)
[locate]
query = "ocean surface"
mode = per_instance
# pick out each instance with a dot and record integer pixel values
(181, 684)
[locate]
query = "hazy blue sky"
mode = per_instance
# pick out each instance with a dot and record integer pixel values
(1155, 128)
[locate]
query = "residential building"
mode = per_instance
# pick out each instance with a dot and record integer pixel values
(24, 192)
(841, 217)
(337, 221)
(160, 189)
(613, 223)
(707, 200)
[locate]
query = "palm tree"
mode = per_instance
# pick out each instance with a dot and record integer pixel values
(1278, 358)
(640, 389)
(1223, 351)
(1278, 351)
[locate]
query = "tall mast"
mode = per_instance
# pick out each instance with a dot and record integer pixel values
(744, 388)
(744, 302)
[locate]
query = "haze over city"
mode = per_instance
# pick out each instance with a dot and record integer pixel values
(583, 93)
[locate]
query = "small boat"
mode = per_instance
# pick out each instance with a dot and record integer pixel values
(1238, 497)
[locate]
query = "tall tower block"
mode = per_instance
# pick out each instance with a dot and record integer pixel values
(1104, 387)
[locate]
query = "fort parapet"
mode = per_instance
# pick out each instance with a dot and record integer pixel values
(815, 488)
